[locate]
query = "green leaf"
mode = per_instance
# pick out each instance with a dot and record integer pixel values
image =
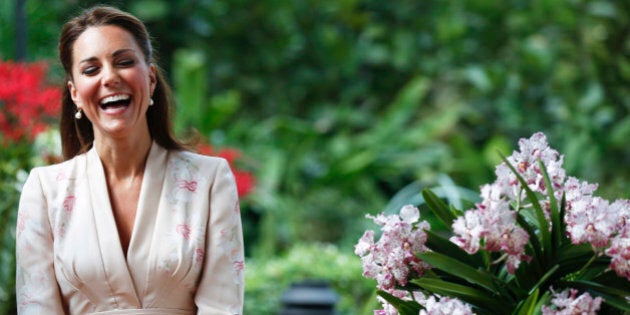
(556, 226)
(460, 270)
(563, 227)
(440, 244)
(598, 287)
(477, 297)
(438, 207)
(572, 252)
(543, 225)
(527, 307)
(533, 240)
(573, 257)
(615, 301)
(403, 307)
(190, 85)
(543, 300)
(544, 278)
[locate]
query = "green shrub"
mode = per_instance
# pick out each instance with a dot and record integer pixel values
(15, 160)
(267, 279)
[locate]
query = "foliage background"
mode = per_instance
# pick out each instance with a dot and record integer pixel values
(339, 104)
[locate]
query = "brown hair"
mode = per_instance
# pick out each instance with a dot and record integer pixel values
(77, 135)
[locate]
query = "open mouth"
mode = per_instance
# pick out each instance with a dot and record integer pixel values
(116, 101)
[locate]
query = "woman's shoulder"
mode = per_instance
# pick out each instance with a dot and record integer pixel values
(56, 178)
(200, 160)
(195, 167)
(59, 170)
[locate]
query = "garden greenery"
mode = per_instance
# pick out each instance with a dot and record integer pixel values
(336, 105)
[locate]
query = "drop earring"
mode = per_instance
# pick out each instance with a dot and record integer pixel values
(150, 102)
(78, 114)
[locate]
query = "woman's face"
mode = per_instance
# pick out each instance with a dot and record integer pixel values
(111, 81)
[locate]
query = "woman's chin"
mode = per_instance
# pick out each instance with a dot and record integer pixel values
(117, 129)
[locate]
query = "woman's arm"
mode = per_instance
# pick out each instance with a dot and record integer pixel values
(221, 288)
(37, 290)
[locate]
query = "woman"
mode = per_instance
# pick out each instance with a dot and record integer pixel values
(130, 223)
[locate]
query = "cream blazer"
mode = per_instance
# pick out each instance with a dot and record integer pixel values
(185, 255)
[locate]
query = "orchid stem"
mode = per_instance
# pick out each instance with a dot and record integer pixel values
(588, 264)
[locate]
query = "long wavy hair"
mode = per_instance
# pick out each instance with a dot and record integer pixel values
(77, 135)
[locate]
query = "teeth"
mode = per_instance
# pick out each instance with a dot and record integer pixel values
(115, 98)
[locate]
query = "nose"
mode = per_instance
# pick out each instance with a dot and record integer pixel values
(110, 76)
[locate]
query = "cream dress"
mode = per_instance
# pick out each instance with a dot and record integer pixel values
(185, 255)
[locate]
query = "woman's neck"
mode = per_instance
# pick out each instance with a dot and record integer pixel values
(123, 158)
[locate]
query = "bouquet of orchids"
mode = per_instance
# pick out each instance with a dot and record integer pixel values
(538, 242)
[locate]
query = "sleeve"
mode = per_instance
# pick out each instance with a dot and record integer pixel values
(37, 290)
(221, 287)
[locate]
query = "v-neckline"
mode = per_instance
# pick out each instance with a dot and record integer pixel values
(120, 269)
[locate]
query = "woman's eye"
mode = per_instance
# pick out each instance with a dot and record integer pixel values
(90, 70)
(126, 62)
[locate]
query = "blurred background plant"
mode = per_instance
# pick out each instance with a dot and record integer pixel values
(28, 104)
(310, 261)
(335, 106)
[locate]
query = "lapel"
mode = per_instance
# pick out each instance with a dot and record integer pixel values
(140, 245)
(125, 277)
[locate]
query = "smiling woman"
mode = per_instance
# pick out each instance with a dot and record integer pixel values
(112, 84)
(131, 222)
(79, 134)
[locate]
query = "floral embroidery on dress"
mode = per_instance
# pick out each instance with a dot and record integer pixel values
(188, 185)
(199, 255)
(184, 230)
(61, 175)
(184, 245)
(231, 246)
(34, 285)
(63, 216)
(68, 203)
(183, 248)
(185, 235)
(167, 264)
(22, 220)
(185, 240)
(186, 177)
(63, 205)
(239, 267)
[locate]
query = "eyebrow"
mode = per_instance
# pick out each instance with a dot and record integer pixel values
(116, 53)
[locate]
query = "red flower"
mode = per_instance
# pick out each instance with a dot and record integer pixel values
(244, 180)
(26, 104)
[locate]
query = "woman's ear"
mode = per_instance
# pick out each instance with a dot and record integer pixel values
(73, 92)
(152, 77)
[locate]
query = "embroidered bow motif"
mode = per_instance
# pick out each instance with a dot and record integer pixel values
(188, 185)
(68, 203)
(184, 230)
